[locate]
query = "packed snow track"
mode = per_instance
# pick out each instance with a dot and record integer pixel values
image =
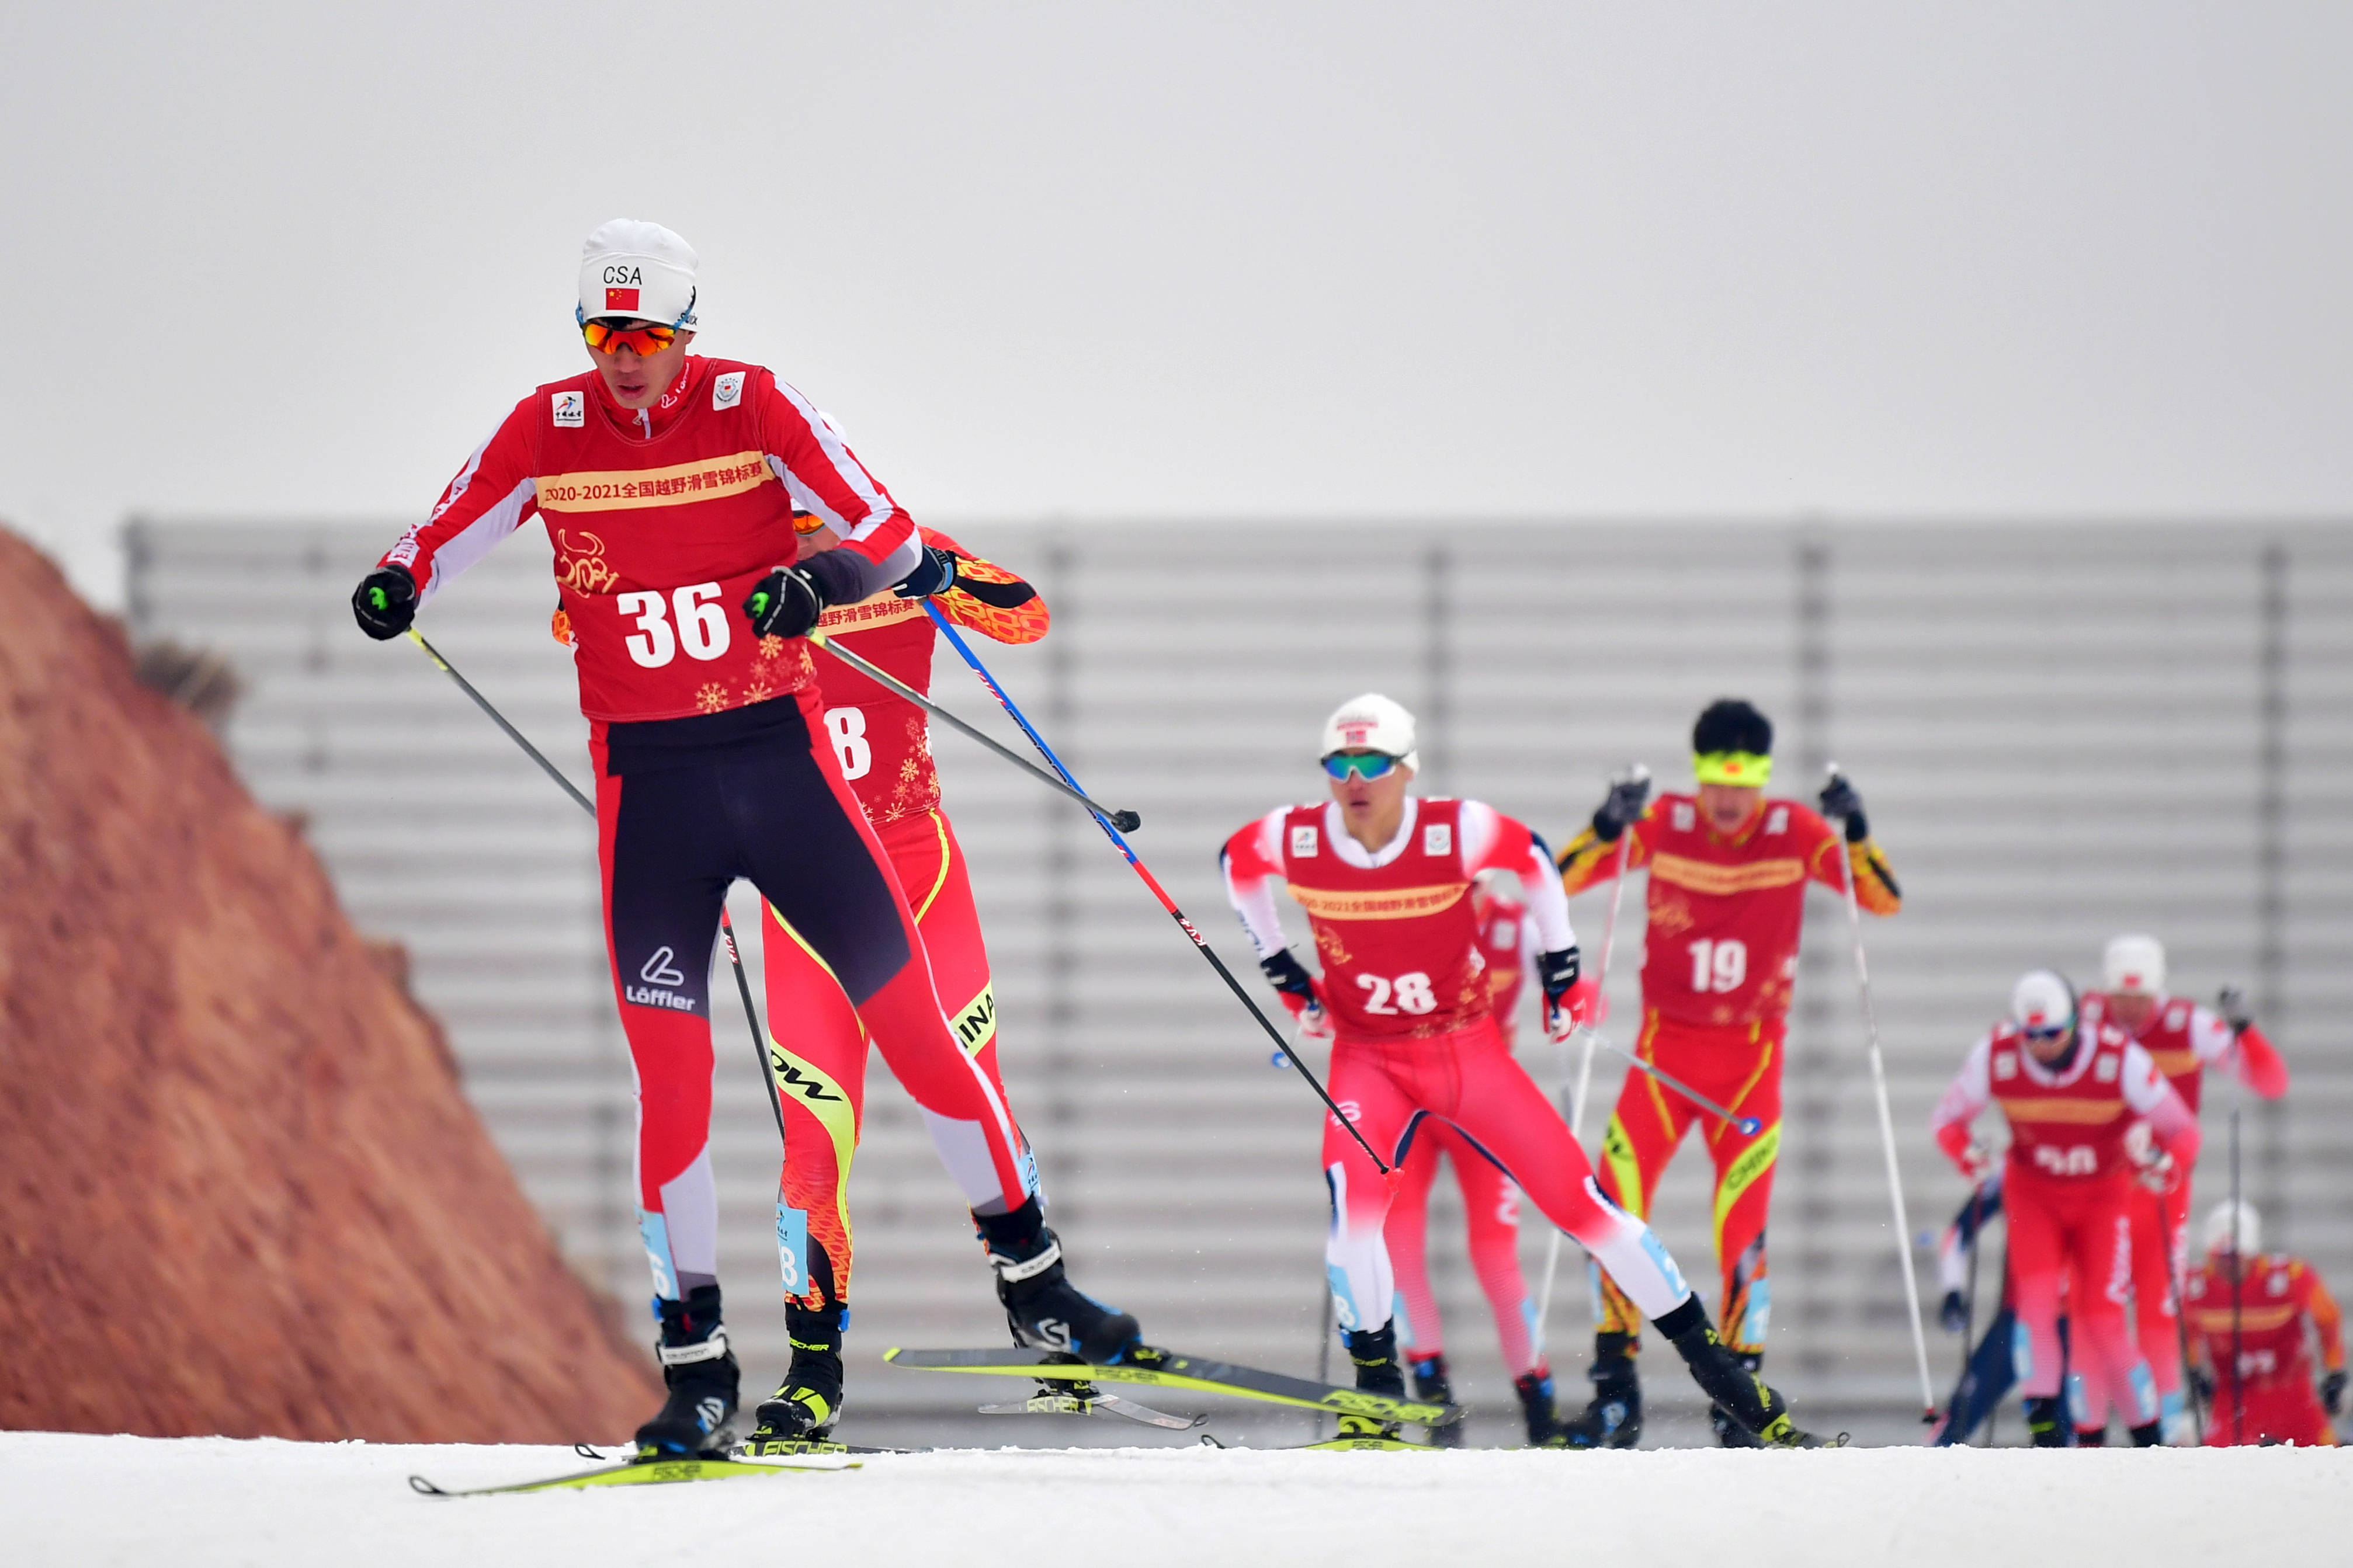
(89, 1499)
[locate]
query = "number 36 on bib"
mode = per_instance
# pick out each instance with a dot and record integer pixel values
(701, 630)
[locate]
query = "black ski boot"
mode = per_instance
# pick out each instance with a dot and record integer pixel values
(1614, 1418)
(2091, 1436)
(701, 1371)
(1739, 1392)
(1534, 1389)
(2151, 1436)
(1431, 1386)
(802, 1411)
(2046, 1424)
(1729, 1432)
(1045, 1310)
(1374, 1352)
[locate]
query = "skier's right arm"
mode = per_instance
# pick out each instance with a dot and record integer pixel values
(1250, 866)
(488, 499)
(1592, 856)
(1970, 1092)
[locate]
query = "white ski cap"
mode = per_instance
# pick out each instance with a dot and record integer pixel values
(2250, 1238)
(1371, 723)
(2136, 965)
(632, 267)
(2042, 1003)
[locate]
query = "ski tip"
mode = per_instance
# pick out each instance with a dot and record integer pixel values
(423, 1488)
(892, 1353)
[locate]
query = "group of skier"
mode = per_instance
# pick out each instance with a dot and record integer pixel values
(2101, 1301)
(711, 528)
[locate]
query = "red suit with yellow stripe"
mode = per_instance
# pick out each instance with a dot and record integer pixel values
(819, 1055)
(1720, 964)
(2270, 1398)
(2183, 1038)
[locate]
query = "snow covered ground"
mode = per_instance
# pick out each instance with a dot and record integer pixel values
(87, 1501)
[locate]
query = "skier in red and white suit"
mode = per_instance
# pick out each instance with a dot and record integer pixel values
(667, 485)
(1728, 868)
(1385, 879)
(2254, 1318)
(2070, 1089)
(1491, 1204)
(2184, 1039)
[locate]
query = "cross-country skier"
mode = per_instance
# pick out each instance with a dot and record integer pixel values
(1491, 1204)
(1384, 878)
(2184, 1039)
(667, 483)
(1729, 869)
(2248, 1314)
(818, 1045)
(2070, 1089)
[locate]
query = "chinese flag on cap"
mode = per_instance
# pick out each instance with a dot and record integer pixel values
(620, 299)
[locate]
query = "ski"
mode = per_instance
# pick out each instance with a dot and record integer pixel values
(638, 1473)
(1085, 1399)
(1365, 1445)
(755, 1447)
(1169, 1369)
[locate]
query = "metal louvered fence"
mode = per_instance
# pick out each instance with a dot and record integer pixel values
(2062, 731)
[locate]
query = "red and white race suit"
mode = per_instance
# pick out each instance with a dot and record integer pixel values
(1414, 1033)
(2183, 1039)
(664, 520)
(2067, 1188)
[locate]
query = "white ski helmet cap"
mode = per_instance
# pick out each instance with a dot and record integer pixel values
(2136, 965)
(632, 267)
(2043, 1003)
(2250, 1238)
(1371, 723)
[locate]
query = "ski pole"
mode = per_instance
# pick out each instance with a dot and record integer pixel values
(2181, 1334)
(1887, 1140)
(1746, 1126)
(726, 928)
(1964, 1395)
(2238, 1273)
(1114, 828)
(1126, 821)
(1584, 1071)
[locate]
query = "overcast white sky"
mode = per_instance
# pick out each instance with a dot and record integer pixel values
(1241, 259)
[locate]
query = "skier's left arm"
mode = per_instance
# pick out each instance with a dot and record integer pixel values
(2225, 1035)
(1493, 842)
(1875, 888)
(823, 476)
(2170, 1120)
(2328, 1328)
(976, 594)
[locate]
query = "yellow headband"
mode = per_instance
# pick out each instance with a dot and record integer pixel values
(1733, 768)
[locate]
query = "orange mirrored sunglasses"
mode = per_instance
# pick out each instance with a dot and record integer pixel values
(644, 338)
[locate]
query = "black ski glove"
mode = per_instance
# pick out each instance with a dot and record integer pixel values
(789, 600)
(2232, 1006)
(1629, 793)
(2202, 1384)
(1287, 974)
(1839, 799)
(935, 574)
(385, 604)
(1955, 1314)
(1559, 972)
(2332, 1393)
